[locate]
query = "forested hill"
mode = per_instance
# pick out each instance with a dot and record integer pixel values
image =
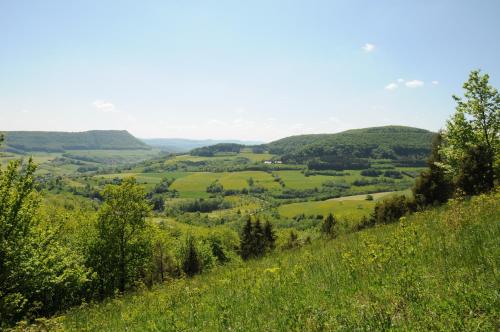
(388, 142)
(181, 145)
(51, 141)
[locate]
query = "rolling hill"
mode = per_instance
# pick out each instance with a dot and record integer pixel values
(181, 145)
(388, 142)
(50, 141)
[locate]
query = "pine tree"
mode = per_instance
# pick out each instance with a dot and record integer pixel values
(191, 264)
(329, 226)
(270, 236)
(246, 240)
(259, 240)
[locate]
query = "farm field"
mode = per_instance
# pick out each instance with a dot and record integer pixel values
(195, 184)
(346, 209)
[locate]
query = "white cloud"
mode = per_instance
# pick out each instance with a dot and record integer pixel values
(435, 82)
(368, 47)
(414, 84)
(400, 80)
(105, 106)
(25, 111)
(391, 86)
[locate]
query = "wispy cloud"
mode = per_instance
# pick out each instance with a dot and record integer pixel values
(435, 82)
(368, 47)
(391, 86)
(414, 84)
(105, 106)
(400, 80)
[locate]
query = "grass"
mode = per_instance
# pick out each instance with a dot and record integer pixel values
(297, 180)
(435, 270)
(195, 184)
(253, 157)
(348, 209)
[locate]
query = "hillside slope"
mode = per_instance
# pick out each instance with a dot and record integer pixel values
(435, 270)
(390, 142)
(49, 141)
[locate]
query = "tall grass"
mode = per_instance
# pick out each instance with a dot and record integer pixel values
(435, 270)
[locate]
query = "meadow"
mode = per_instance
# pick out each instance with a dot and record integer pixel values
(435, 270)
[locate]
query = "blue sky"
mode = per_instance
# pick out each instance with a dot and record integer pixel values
(239, 69)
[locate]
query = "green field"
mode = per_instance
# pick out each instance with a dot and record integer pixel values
(351, 207)
(354, 209)
(195, 184)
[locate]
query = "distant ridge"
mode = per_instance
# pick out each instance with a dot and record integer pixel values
(179, 145)
(52, 141)
(388, 142)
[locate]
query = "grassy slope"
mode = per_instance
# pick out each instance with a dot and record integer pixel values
(437, 270)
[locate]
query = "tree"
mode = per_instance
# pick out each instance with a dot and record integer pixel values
(270, 236)
(246, 240)
(191, 263)
(475, 176)
(217, 249)
(215, 188)
(330, 226)
(122, 249)
(433, 185)
(259, 241)
(391, 209)
(34, 265)
(474, 128)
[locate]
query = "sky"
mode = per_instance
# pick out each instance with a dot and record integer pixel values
(251, 70)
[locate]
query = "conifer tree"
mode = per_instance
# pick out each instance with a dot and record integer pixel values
(246, 240)
(270, 236)
(329, 226)
(259, 240)
(191, 264)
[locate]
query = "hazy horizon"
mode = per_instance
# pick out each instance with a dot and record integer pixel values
(255, 71)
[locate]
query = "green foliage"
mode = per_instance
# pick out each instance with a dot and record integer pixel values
(215, 188)
(292, 241)
(472, 135)
(393, 142)
(433, 271)
(122, 247)
(191, 261)
(371, 172)
(269, 236)
(246, 240)
(390, 209)
(433, 185)
(330, 226)
(475, 174)
(38, 274)
(211, 150)
(63, 141)
(256, 241)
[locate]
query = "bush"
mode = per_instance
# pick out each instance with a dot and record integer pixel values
(391, 209)
(371, 172)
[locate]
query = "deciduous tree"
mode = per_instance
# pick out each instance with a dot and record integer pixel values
(474, 129)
